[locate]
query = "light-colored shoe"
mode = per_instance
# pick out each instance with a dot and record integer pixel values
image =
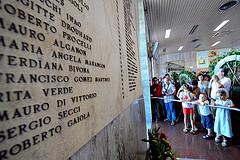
(224, 143)
(195, 129)
(218, 139)
(185, 130)
(192, 131)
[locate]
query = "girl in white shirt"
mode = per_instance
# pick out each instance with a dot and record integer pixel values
(185, 95)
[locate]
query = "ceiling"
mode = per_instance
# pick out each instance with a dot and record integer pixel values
(181, 15)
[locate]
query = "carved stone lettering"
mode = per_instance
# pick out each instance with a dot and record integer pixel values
(130, 44)
(28, 143)
(66, 69)
(76, 40)
(69, 112)
(78, 119)
(24, 111)
(57, 91)
(20, 45)
(68, 47)
(81, 5)
(32, 78)
(36, 8)
(16, 95)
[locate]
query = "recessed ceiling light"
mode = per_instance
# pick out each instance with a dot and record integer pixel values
(180, 48)
(168, 31)
(228, 5)
(221, 25)
(222, 33)
(216, 43)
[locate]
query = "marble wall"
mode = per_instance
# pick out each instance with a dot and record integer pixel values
(119, 140)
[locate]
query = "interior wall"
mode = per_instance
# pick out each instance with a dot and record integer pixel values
(119, 140)
(188, 58)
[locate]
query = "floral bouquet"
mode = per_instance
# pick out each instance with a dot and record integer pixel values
(159, 147)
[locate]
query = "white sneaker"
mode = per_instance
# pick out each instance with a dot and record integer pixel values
(195, 129)
(224, 143)
(218, 139)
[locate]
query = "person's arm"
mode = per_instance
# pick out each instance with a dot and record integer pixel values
(219, 84)
(196, 93)
(215, 103)
(227, 84)
(179, 91)
(230, 103)
(151, 90)
(209, 92)
(209, 88)
(206, 102)
(173, 90)
(181, 95)
(191, 97)
(196, 102)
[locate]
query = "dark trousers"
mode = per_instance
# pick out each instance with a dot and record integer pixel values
(158, 111)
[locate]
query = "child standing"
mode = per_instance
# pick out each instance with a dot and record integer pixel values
(206, 115)
(186, 96)
(223, 125)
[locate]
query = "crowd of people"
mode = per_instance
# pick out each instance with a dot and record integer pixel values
(199, 98)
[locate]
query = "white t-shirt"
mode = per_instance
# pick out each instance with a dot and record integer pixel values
(214, 88)
(186, 96)
(170, 89)
(204, 109)
(226, 82)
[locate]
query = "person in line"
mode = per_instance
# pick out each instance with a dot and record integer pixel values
(156, 91)
(206, 115)
(185, 95)
(214, 86)
(225, 81)
(203, 86)
(196, 93)
(223, 124)
(206, 79)
(163, 113)
(168, 91)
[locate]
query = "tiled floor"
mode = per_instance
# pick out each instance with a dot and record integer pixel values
(195, 147)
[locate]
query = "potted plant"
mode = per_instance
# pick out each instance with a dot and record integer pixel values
(159, 147)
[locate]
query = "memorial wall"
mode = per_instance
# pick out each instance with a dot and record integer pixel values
(67, 69)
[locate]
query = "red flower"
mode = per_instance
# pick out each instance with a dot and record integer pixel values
(163, 136)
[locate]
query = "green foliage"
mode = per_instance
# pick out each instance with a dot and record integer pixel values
(159, 147)
(186, 77)
(175, 76)
(218, 58)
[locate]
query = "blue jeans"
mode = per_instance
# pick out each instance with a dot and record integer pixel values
(171, 114)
